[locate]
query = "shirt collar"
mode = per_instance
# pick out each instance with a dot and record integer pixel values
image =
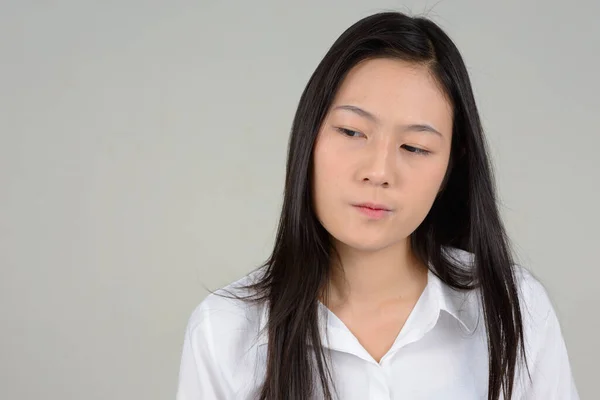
(461, 305)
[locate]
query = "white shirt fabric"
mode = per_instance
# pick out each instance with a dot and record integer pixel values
(440, 352)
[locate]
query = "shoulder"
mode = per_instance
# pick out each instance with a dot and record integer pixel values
(533, 296)
(222, 301)
(545, 349)
(224, 324)
(534, 301)
(219, 347)
(536, 305)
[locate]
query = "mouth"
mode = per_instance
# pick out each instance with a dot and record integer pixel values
(373, 211)
(374, 206)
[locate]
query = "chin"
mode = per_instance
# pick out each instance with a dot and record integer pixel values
(364, 243)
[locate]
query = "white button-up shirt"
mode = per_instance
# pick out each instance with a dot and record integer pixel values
(440, 353)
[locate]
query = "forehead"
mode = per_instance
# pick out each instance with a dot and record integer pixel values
(395, 90)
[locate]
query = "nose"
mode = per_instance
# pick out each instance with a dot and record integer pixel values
(379, 164)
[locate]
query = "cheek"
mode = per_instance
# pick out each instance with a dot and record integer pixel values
(328, 165)
(435, 176)
(425, 186)
(328, 171)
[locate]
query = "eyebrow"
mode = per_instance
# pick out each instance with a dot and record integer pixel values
(373, 118)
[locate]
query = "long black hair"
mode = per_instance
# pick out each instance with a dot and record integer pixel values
(464, 215)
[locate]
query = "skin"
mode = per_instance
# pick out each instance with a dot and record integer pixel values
(378, 281)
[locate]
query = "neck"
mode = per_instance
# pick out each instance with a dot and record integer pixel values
(372, 277)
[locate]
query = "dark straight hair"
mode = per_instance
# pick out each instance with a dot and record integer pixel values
(464, 215)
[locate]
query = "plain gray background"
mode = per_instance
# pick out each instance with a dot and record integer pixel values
(142, 156)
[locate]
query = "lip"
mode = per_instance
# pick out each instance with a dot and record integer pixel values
(374, 206)
(373, 211)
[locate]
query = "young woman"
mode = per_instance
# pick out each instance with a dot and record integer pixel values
(391, 275)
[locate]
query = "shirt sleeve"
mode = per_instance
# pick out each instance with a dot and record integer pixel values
(199, 373)
(551, 376)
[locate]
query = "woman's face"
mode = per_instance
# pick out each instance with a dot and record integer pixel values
(385, 141)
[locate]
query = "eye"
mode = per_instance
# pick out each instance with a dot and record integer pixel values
(416, 150)
(349, 132)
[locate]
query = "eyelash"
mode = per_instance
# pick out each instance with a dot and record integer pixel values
(410, 149)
